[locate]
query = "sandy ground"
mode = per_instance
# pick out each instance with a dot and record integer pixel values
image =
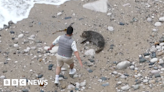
(130, 40)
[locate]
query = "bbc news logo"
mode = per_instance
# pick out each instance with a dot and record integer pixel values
(23, 82)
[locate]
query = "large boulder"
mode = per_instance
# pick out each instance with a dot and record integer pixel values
(99, 6)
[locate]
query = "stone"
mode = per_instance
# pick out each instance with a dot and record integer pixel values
(161, 19)
(132, 67)
(50, 66)
(149, 19)
(161, 39)
(99, 6)
(20, 35)
(155, 71)
(25, 90)
(146, 54)
(125, 88)
(54, 49)
(40, 76)
(12, 32)
(63, 86)
(157, 24)
(157, 75)
(106, 84)
(135, 87)
(67, 17)
(91, 60)
(151, 81)
(16, 45)
(2, 77)
(90, 52)
(142, 60)
(151, 63)
(153, 60)
(41, 91)
(123, 65)
(4, 71)
(153, 55)
(6, 62)
(63, 69)
(104, 78)
(111, 46)
(110, 28)
(121, 23)
(82, 84)
(90, 71)
(59, 13)
(160, 53)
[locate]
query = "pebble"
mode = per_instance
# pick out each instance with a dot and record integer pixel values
(121, 23)
(2, 77)
(161, 19)
(123, 65)
(67, 17)
(155, 71)
(16, 45)
(41, 91)
(70, 87)
(135, 87)
(90, 52)
(59, 13)
(91, 60)
(151, 81)
(90, 71)
(12, 32)
(142, 59)
(40, 76)
(125, 88)
(146, 54)
(153, 60)
(50, 66)
(157, 75)
(153, 55)
(160, 53)
(63, 86)
(25, 90)
(132, 67)
(110, 28)
(103, 78)
(157, 24)
(160, 61)
(106, 84)
(20, 36)
(149, 19)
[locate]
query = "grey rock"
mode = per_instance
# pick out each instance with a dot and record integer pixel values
(135, 87)
(12, 32)
(126, 74)
(67, 17)
(6, 62)
(104, 78)
(142, 59)
(153, 55)
(151, 63)
(50, 67)
(106, 84)
(91, 60)
(4, 71)
(62, 76)
(121, 23)
(25, 90)
(40, 76)
(41, 91)
(161, 39)
(157, 75)
(138, 81)
(90, 71)
(146, 54)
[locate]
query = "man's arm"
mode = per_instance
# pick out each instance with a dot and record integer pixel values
(78, 57)
(74, 48)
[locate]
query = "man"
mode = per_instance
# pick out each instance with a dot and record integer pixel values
(66, 47)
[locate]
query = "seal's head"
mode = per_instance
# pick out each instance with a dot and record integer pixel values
(85, 34)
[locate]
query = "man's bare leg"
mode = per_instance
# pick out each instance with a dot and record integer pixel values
(58, 70)
(71, 66)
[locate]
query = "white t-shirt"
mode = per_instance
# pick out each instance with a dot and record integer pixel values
(73, 46)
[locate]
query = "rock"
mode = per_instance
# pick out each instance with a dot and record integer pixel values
(142, 59)
(41, 91)
(103, 78)
(54, 50)
(67, 17)
(90, 71)
(161, 19)
(111, 46)
(106, 84)
(153, 55)
(123, 65)
(4, 71)
(149, 19)
(135, 87)
(153, 49)
(25, 90)
(82, 84)
(154, 30)
(160, 53)
(161, 39)
(153, 60)
(70, 87)
(151, 81)
(157, 75)
(125, 88)
(63, 69)
(138, 81)
(91, 60)
(160, 61)
(110, 28)
(63, 86)
(2, 77)
(40, 76)
(6, 62)
(12, 32)
(50, 66)
(157, 24)
(146, 54)
(132, 67)
(121, 23)
(16, 45)
(59, 13)
(99, 6)
(151, 63)
(20, 36)
(155, 71)
(90, 52)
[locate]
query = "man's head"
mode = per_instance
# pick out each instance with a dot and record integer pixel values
(69, 30)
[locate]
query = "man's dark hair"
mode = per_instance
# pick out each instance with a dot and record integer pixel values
(69, 30)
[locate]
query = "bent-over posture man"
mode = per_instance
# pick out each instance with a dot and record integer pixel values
(66, 47)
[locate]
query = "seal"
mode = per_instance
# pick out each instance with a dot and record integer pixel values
(94, 37)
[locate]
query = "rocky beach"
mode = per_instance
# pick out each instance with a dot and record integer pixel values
(131, 61)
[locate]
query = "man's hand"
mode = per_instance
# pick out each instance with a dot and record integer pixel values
(51, 47)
